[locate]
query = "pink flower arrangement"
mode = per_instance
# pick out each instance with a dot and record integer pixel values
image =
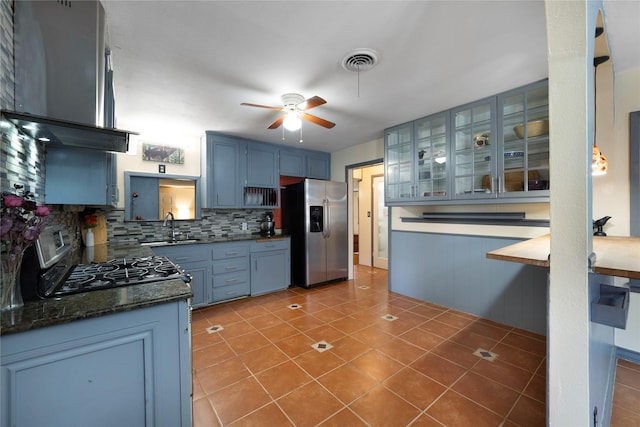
(22, 220)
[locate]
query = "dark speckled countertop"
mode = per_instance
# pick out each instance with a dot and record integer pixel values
(54, 311)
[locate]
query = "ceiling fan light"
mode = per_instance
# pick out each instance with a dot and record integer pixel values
(292, 122)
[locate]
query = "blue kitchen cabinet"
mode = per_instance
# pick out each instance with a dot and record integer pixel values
(220, 163)
(270, 265)
(305, 163)
(195, 260)
(80, 177)
(146, 204)
(131, 368)
(261, 165)
(318, 165)
(230, 271)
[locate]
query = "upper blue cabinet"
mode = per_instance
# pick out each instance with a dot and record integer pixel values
(488, 151)
(305, 163)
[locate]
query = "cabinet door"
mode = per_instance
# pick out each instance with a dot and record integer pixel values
(398, 162)
(262, 166)
(268, 272)
(113, 194)
(430, 155)
(146, 204)
(473, 149)
(223, 167)
(200, 281)
(77, 177)
(292, 163)
(318, 165)
(524, 131)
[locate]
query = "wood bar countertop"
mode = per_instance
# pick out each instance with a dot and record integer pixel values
(615, 256)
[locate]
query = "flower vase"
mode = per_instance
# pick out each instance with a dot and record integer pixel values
(10, 292)
(88, 238)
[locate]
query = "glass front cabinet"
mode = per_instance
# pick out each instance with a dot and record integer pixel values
(493, 149)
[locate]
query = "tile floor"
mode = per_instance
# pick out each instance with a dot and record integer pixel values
(355, 354)
(626, 395)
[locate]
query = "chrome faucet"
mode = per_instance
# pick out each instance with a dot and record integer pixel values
(173, 226)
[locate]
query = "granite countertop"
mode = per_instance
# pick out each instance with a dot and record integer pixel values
(54, 311)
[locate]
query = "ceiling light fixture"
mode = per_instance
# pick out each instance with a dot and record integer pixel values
(292, 122)
(599, 163)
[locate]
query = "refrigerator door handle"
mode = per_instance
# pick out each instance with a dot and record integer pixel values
(326, 227)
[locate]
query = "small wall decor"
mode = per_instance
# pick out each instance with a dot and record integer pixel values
(162, 153)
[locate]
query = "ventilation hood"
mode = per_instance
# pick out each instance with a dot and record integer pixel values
(69, 134)
(63, 80)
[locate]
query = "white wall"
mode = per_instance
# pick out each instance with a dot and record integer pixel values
(361, 153)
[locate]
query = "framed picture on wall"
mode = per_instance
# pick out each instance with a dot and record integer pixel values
(163, 154)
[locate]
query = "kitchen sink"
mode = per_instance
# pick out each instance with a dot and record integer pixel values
(170, 242)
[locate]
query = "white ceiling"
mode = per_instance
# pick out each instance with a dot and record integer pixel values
(183, 67)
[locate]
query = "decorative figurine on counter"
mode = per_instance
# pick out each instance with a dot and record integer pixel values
(598, 224)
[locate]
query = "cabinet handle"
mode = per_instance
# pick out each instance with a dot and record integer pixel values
(231, 253)
(256, 265)
(231, 280)
(181, 258)
(231, 267)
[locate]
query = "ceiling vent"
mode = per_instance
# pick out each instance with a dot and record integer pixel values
(360, 60)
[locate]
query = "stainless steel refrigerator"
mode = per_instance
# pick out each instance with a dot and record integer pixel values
(314, 212)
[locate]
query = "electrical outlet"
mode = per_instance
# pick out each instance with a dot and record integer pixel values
(244, 226)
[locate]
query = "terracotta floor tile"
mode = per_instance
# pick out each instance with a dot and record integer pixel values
(496, 397)
(425, 420)
(347, 383)
(250, 309)
(203, 414)
(426, 311)
(622, 417)
(305, 323)
(628, 377)
(372, 336)
(265, 321)
(472, 340)
(454, 410)
(487, 330)
(454, 319)
(537, 388)
(208, 356)
(376, 365)
(528, 412)
(269, 415)
(329, 315)
(348, 348)
(247, 342)
(526, 343)
(309, 405)
(295, 345)
(406, 321)
(263, 358)
(438, 369)
(421, 338)
(221, 375)
(239, 399)
(348, 324)
(317, 364)
(456, 353)
(279, 332)
(220, 316)
(414, 387)
(627, 397)
(380, 407)
(283, 379)
(439, 328)
(344, 418)
(204, 339)
(522, 359)
(232, 330)
(401, 350)
(198, 392)
(503, 373)
(324, 333)
(288, 314)
(629, 364)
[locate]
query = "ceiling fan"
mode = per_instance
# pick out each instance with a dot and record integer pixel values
(295, 107)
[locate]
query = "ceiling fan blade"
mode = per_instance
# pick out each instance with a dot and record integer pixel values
(317, 120)
(313, 102)
(277, 123)
(262, 106)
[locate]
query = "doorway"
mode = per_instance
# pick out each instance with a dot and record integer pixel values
(369, 216)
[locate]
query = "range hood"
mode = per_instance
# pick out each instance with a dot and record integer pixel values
(63, 80)
(69, 134)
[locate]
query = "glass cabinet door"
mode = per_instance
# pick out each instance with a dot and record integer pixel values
(524, 128)
(473, 148)
(430, 156)
(399, 163)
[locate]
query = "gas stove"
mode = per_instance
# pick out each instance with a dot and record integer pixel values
(116, 273)
(49, 270)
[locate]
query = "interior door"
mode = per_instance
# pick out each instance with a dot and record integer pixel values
(380, 224)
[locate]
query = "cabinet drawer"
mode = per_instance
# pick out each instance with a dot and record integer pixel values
(269, 245)
(185, 253)
(229, 279)
(229, 292)
(235, 250)
(229, 266)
